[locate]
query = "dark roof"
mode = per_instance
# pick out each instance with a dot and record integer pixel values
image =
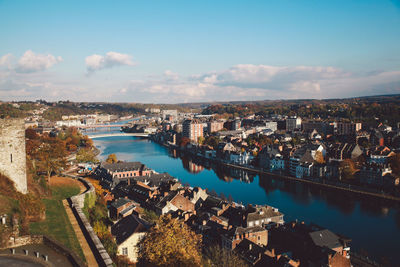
(120, 202)
(249, 251)
(127, 226)
(241, 230)
(325, 238)
(123, 166)
(155, 179)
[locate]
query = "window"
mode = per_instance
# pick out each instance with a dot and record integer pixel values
(124, 251)
(11, 157)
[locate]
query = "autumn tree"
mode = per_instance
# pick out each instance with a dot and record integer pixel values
(216, 256)
(349, 168)
(319, 157)
(52, 155)
(170, 243)
(200, 140)
(86, 155)
(112, 158)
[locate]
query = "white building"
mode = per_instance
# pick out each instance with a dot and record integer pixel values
(128, 232)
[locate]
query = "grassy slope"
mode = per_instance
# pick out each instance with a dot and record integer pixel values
(57, 224)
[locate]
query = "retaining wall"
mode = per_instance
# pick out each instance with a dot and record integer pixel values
(77, 203)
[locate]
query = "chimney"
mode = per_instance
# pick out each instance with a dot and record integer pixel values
(250, 246)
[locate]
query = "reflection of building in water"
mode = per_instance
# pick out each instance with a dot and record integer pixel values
(240, 174)
(173, 153)
(191, 167)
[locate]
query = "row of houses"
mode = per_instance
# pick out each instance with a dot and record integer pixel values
(251, 231)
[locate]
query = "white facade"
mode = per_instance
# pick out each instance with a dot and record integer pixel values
(129, 246)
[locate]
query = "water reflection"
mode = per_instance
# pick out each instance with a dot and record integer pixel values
(372, 223)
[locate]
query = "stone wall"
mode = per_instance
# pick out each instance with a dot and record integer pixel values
(24, 240)
(49, 242)
(12, 152)
(77, 203)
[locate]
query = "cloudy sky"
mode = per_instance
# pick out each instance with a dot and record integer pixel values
(191, 51)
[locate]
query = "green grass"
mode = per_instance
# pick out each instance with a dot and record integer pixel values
(57, 224)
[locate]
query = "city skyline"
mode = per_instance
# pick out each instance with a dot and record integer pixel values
(176, 52)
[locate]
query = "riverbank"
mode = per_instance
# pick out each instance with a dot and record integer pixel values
(312, 181)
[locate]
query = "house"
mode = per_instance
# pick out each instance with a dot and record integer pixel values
(259, 256)
(373, 174)
(173, 201)
(261, 215)
(311, 244)
(244, 158)
(232, 237)
(344, 151)
(121, 207)
(141, 193)
(128, 232)
(271, 158)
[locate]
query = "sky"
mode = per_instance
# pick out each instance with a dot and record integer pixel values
(197, 51)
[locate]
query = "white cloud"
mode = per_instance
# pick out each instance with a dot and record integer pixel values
(111, 59)
(6, 60)
(239, 82)
(32, 62)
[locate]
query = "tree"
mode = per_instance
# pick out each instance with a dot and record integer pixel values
(349, 168)
(201, 140)
(216, 256)
(170, 243)
(319, 157)
(212, 141)
(86, 155)
(112, 158)
(52, 155)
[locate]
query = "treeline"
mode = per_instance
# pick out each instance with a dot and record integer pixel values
(368, 110)
(19, 111)
(47, 153)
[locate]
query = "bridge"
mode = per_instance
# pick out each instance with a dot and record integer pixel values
(144, 135)
(102, 126)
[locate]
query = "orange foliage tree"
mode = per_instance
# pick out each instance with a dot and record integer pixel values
(170, 243)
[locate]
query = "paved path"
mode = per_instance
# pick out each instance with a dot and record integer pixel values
(90, 259)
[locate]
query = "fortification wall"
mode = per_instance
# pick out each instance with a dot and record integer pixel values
(12, 152)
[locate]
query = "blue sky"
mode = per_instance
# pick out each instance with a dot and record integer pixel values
(188, 51)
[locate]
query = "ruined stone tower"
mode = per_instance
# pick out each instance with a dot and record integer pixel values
(12, 152)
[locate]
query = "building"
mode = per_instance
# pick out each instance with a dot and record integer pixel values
(347, 128)
(112, 174)
(215, 126)
(271, 125)
(170, 114)
(12, 152)
(121, 208)
(128, 232)
(192, 129)
(232, 237)
(293, 123)
(262, 215)
(320, 126)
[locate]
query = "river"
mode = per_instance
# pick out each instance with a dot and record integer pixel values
(373, 225)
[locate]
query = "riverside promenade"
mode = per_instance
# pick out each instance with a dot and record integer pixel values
(312, 181)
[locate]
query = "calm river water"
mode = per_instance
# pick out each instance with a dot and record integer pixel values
(373, 225)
